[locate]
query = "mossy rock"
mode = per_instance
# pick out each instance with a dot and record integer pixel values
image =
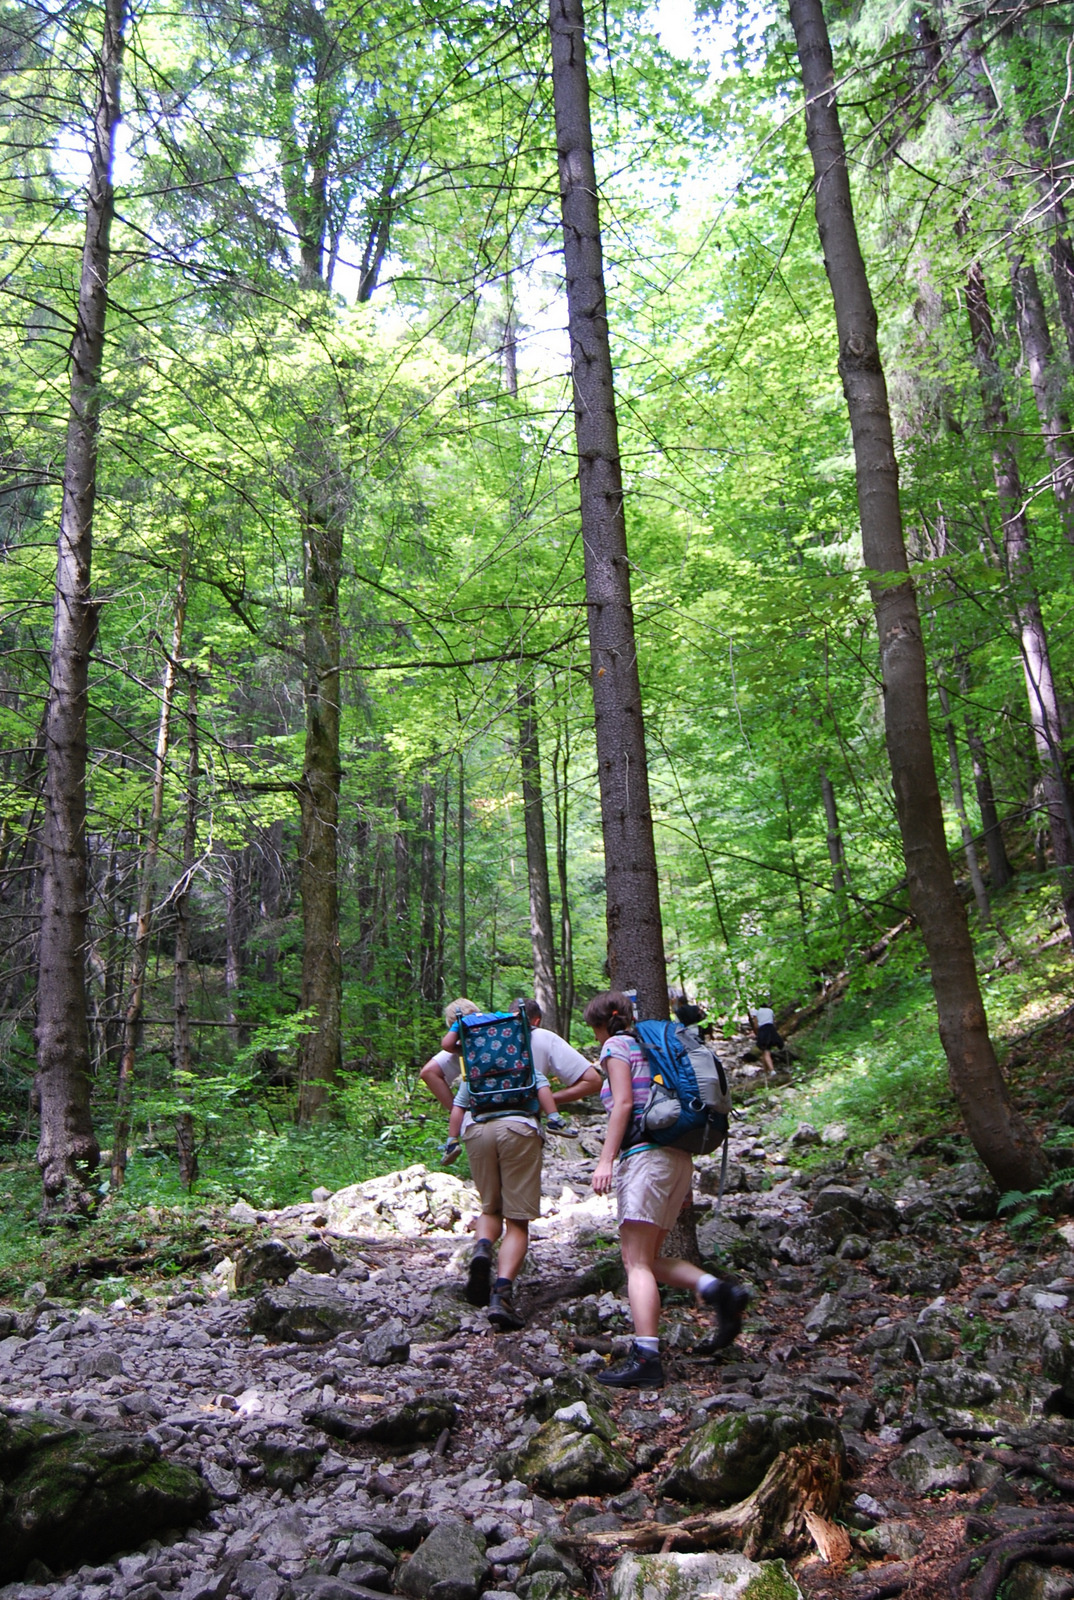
(285, 1463)
(564, 1390)
(606, 1272)
(708, 1575)
(560, 1460)
(725, 1460)
(73, 1494)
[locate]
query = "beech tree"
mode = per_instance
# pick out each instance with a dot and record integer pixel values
(998, 1131)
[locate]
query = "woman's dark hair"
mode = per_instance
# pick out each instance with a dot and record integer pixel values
(611, 1010)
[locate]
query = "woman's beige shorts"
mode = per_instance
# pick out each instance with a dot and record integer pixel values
(652, 1184)
(505, 1164)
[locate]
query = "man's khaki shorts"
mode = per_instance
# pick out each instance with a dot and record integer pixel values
(505, 1163)
(652, 1184)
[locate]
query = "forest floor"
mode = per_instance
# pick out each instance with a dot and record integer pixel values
(889, 1299)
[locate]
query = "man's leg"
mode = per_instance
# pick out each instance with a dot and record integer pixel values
(516, 1238)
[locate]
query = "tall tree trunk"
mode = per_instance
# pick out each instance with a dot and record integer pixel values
(271, 903)
(401, 854)
(462, 875)
(132, 1018)
(1047, 383)
(1060, 248)
(183, 1059)
(236, 926)
(320, 1056)
(561, 753)
(635, 935)
(67, 1151)
(427, 873)
(541, 936)
(999, 868)
(998, 1132)
(969, 843)
(835, 843)
(1044, 712)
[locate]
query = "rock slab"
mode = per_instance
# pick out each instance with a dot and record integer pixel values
(450, 1565)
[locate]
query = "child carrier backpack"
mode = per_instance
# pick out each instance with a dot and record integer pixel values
(689, 1104)
(497, 1064)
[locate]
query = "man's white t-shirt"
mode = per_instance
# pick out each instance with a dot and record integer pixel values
(551, 1055)
(762, 1015)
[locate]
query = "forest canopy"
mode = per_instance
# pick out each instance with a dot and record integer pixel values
(331, 599)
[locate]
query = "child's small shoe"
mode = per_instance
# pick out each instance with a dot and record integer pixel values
(450, 1152)
(556, 1124)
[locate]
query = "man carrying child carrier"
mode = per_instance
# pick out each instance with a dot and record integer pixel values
(502, 1134)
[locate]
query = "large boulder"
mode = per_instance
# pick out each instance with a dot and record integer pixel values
(713, 1575)
(410, 1423)
(957, 1396)
(829, 1318)
(307, 1309)
(561, 1459)
(969, 1189)
(71, 1494)
(410, 1202)
(267, 1261)
(908, 1269)
(725, 1460)
(450, 1565)
(1028, 1581)
(930, 1462)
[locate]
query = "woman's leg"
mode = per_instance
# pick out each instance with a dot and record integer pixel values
(638, 1244)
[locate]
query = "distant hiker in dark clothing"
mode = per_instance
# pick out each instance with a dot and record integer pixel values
(763, 1026)
(652, 1184)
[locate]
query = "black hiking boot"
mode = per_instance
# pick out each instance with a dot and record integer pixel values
(729, 1301)
(502, 1313)
(639, 1371)
(480, 1275)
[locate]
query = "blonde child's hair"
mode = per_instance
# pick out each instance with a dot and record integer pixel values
(459, 1008)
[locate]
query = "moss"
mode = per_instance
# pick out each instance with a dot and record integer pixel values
(774, 1582)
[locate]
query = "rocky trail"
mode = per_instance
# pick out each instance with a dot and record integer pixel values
(321, 1416)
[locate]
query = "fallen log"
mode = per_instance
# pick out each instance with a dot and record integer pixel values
(769, 1522)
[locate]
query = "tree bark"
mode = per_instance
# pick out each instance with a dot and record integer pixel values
(541, 936)
(998, 1132)
(183, 1059)
(561, 751)
(67, 1151)
(404, 956)
(1060, 249)
(835, 843)
(999, 868)
(236, 924)
(1044, 711)
(969, 844)
(1047, 382)
(635, 935)
(427, 986)
(320, 1057)
(271, 902)
(132, 1018)
(462, 875)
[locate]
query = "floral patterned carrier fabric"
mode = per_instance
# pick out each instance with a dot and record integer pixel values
(498, 1066)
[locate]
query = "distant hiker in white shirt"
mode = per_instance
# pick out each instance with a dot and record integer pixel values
(763, 1027)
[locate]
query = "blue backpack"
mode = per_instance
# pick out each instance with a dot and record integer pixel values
(497, 1064)
(689, 1104)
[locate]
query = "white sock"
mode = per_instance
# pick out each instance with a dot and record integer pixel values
(705, 1281)
(648, 1346)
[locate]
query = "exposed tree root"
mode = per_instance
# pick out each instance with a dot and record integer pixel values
(1032, 1465)
(769, 1522)
(1049, 1543)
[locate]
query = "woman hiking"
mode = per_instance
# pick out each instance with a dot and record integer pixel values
(652, 1185)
